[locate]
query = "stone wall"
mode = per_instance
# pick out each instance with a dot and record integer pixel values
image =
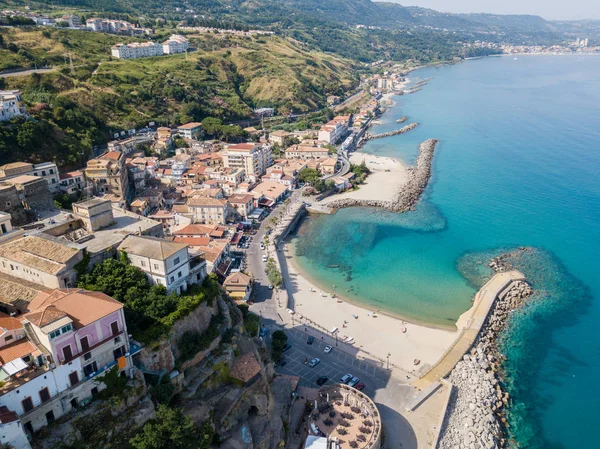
(36, 195)
(11, 204)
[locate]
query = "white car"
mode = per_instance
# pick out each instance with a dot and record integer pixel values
(270, 287)
(346, 378)
(314, 362)
(328, 349)
(265, 258)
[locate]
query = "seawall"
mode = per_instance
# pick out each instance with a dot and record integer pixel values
(404, 129)
(409, 195)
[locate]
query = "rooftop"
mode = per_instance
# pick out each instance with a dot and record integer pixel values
(16, 350)
(190, 125)
(204, 201)
(151, 247)
(43, 254)
(18, 292)
(245, 368)
(236, 279)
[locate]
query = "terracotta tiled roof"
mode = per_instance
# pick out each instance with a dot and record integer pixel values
(202, 201)
(16, 350)
(16, 291)
(45, 315)
(39, 253)
(111, 155)
(242, 146)
(190, 125)
(151, 247)
(82, 306)
(245, 368)
(236, 279)
(9, 323)
(239, 198)
(192, 241)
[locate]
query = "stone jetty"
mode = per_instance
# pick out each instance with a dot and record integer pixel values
(402, 119)
(407, 198)
(405, 129)
(475, 415)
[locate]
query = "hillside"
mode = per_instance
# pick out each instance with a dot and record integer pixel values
(226, 77)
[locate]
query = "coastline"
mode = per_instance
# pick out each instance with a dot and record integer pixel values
(374, 335)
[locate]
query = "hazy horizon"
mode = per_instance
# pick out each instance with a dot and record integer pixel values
(548, 9)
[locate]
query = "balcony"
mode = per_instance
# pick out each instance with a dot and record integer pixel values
(100, 343)
(22, 377)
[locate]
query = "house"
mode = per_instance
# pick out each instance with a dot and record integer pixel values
(332, 131)
(208, 210)
(55, 360)
(164, 262)
(238, 285)
(108, 174)
(45, 170)
(125, 146)
(175, 44)
(72, 182)
(137, 50)
(216, 254)
(42, 260)
(278, 137)
(242, 204)
(328, 166)
(201, 231)
(310, 149)
(254, 158)
(190, 130)
(267, 193)
(278, 175)
(333, 100)
(33, 192)
(11, 104)
(140, 206)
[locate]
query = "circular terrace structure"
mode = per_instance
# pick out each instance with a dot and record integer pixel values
(347, 417)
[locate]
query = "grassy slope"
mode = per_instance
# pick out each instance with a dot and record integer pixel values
(225, 78)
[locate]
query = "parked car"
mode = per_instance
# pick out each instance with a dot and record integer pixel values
(264, 258)
(327, 349)
(310, 340)
(322, 380)
(359, 386)
(346, 378)
(270, 286)
(264, 331)
(354, 381)
(314, 362)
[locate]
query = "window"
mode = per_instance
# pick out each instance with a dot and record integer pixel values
(8, 338)
(156, 266)
(90, 369)
(87, 356)
(172, 279)
(176, 261)
(74, 378)
(54, 334)
(66, 328)
(44, 395)
(43, 172)
(51, 171)
(117, 340)
(114, 327)
(53, 181)
(27, 404)
(142, 263)
(179, 275)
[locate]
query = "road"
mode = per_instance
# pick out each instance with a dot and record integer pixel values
(26, 72)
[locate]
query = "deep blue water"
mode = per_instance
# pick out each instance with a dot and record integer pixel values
(518, 164)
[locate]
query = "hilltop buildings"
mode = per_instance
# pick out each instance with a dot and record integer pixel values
(11, 104)
(175, 44)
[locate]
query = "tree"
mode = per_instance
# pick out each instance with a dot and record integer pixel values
(278, 341)
(171, 430)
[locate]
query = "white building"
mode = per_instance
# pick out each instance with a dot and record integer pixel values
(254, 158)
(137, 50)
(46, 170)
(164, 262)
(175, 44)
(332, 131)
(11, 104)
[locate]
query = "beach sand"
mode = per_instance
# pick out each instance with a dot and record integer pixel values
(374, 336)
(387, 177)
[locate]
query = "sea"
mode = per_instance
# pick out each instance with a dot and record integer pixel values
(518, 165)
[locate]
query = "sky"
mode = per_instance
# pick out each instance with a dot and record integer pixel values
(548, 9)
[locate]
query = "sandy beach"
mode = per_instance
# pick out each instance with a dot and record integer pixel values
(374, 336)
(387, 176)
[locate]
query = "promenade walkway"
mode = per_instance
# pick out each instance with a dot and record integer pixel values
(475, 319)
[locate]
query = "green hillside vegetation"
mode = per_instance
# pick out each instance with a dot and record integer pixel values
(225, 78)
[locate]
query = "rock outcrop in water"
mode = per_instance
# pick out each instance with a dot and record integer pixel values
(475, 418)
(407, 198)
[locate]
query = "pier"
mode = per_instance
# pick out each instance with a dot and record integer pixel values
(476, 318)
(369, 136)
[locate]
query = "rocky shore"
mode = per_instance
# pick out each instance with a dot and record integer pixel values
(402, 119)
(402, 130)
(407, 198)
(475, 415)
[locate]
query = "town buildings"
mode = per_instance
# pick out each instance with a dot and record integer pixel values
(238, 286)
(72, 182)
(115, 26)
(308, 149)
(11, 104)
(332, 132)
(190, 130)
(242, 205)
(204, 209)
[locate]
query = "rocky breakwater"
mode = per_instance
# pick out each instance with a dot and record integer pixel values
(402, 119)
(407, 198)
(475, 416)
(405, 129)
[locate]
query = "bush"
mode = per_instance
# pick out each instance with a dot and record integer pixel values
(251, 323)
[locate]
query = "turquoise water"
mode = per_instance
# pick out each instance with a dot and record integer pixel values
(518, 164)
